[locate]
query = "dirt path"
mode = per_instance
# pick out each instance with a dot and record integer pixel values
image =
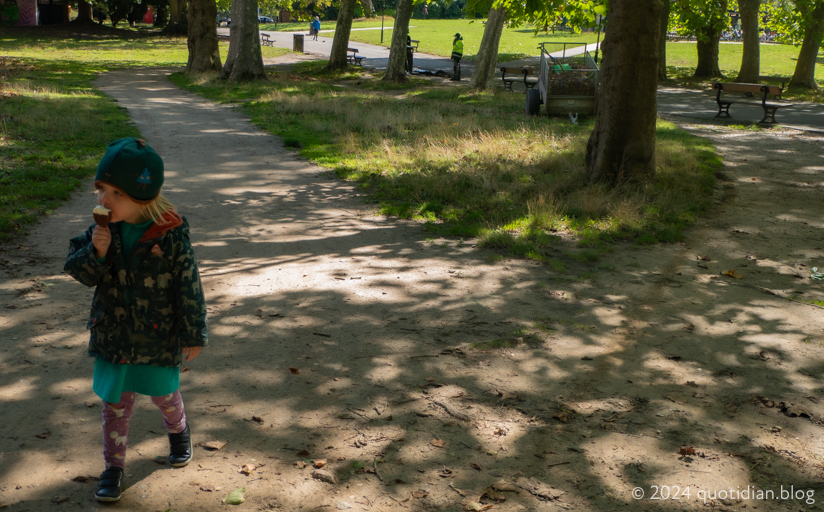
(443, 368)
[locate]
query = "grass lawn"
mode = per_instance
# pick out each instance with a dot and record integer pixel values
(472, 164)
(776, 60)
(465, 164)
(53, 123)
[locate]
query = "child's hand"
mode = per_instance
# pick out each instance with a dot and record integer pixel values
(101, 238)
(191, 352)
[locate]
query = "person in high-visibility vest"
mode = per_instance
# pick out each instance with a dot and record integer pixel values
(457, 53)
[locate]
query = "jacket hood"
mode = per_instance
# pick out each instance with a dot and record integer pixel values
(172, 220)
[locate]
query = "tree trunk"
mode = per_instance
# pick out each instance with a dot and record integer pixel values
(337, 57)
(395, 69)
(368, 9)
(162, 14)
(204, 56)
(487, 57)
(622, 144)
(177, 21)
(244, 62)
(84, 12)
(751, 58)
(707, 47)
(804, 75)
(662, 40)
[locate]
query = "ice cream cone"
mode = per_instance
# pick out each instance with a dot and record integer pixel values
(102, 216)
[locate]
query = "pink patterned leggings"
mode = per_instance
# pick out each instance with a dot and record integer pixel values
(116, 423)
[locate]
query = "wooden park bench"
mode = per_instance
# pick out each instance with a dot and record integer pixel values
(352, 56)
(775, 80)
(763, 90)
(525, 75)
(265, 41)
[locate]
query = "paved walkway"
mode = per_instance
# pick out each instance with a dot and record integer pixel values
(671, 101)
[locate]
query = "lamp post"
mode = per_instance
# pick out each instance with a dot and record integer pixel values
(383, 11)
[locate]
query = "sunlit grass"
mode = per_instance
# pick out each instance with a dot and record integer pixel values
(472, 165)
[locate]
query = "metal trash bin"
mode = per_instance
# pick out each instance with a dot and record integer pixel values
(297, 43)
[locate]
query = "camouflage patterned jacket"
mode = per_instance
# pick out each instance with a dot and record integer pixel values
(148, 304)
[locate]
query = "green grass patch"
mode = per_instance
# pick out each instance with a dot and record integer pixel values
(54, 125)
(776, 60)
(435, 37)
(471, 165)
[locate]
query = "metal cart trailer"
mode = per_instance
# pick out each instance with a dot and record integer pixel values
(567, 81)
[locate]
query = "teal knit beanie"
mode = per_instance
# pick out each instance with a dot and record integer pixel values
(133, 167)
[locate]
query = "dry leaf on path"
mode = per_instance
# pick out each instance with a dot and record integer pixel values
(561, 416)
(319, 463)
(248, 469)
(732, 273)
(214, 445)
(44, 435)
(705, 258)
(437, 443)
(257, 419)
(324, 476)
(294, 370)
(420, 493)
(687, 450)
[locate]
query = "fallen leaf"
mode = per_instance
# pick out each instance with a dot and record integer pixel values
(705, 258)
(248, 469)
(324, 476)
(44, 435)
(300, 464)
(505, 486)
(319, 463)
(691, 383)
(357, 464)
(235, 497)
(207, 488)
(499, 432)
(561, 416)
(492, 494)
(89, 403)
(259, 313)
(420, 493)
(257, 419)
(214, 445)
(437, 443)
(687, 450)
(294, 370)
(475, 466)
(732, 273)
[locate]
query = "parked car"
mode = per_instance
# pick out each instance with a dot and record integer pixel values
(265, 19)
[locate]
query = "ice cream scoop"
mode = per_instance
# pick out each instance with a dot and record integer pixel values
(102, 215)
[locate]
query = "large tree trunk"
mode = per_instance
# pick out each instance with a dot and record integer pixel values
(84, 12)
(395, 69)
(337, 57)
(177, 20)
(204, 56)
(662, 40)
(487, 57)
(622, 144)
(707, 47)
(804, 75)
(751, 58)
(368, 9)
(244, 62)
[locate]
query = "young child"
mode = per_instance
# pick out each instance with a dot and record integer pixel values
(148, 311)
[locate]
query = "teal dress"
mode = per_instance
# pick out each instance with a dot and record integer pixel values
(110, 380)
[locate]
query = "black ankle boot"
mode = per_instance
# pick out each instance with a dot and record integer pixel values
(181, 448)
(111, 481)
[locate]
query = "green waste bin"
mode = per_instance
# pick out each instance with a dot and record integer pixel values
(297, 43)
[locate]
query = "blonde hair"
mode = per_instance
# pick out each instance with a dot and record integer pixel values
(156, 209)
